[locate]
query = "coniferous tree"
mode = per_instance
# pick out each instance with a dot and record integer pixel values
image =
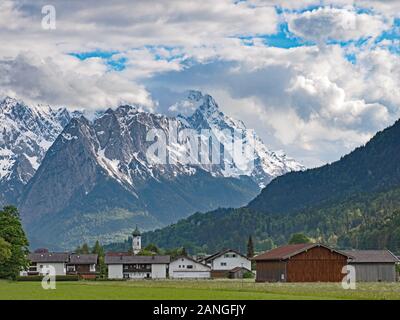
(98, 249)
(102, 267)
(84, 249)
(250, 248)
(183, 251)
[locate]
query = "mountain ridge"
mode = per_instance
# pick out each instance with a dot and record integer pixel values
(96, 181)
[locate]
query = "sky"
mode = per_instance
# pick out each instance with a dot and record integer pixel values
(313, 78)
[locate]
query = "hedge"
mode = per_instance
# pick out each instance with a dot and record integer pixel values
(58, 278)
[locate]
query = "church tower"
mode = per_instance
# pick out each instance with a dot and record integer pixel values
(136, 241)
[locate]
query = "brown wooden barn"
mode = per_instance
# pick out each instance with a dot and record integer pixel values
(301, 263)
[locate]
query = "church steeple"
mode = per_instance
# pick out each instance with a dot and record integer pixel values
(136, 232)
(136, 240)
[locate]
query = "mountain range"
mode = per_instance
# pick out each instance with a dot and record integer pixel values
(351, 203)
(77, 180)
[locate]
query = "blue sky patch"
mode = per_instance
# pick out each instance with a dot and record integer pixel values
(284, 38)
(107, 56)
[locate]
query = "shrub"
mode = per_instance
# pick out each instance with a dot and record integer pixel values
(58, 278)
(248, 275)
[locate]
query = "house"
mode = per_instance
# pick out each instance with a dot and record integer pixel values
(224, 261)
(84, 265)
(129, 266)
(373, 265)
(40, 261)
(184, 267)
(301, 263)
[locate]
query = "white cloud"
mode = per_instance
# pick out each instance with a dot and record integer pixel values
(310, 101)
(340, 24)
(68, 81)
(313, 103)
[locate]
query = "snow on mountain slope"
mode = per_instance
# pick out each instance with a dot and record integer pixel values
(26, 132)
(260, 163)
(121, 136)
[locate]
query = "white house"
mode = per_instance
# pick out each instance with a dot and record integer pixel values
(127, 266)
(184, 267)
(40, 262)
(224, 261)
(64, 263)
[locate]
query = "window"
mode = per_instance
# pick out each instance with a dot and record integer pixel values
(70, 268)
(189, 266)
(223, 264)
(92, 268)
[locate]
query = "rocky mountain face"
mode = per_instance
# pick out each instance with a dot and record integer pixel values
(261, 164)
(26, 132)
(98, 178)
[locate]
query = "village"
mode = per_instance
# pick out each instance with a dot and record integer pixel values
(303, 262)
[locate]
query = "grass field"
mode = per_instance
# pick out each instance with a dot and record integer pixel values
(203, 290)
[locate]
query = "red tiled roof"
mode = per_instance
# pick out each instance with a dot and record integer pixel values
(288, 251)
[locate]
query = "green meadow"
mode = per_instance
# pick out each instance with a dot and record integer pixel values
(202, 290)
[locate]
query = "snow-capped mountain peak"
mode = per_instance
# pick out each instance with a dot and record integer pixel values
(261, 164)
(26, 132)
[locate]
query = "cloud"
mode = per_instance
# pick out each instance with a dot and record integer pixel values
(76, 84)
(340, 24)
(313, 103)
(316, 102)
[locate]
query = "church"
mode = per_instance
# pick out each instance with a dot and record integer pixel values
(125, 265)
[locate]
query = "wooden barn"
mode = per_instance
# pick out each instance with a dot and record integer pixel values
(374, 265)
(301, 263)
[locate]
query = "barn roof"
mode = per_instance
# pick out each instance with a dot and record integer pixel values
(76, 258)
(372, 256)
(125, 259)
(49, 257)
(290, 250)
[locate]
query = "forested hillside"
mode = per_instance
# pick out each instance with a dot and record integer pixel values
(365, 221)
(371, 168)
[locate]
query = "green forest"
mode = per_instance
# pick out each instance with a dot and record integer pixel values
(364, 222)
